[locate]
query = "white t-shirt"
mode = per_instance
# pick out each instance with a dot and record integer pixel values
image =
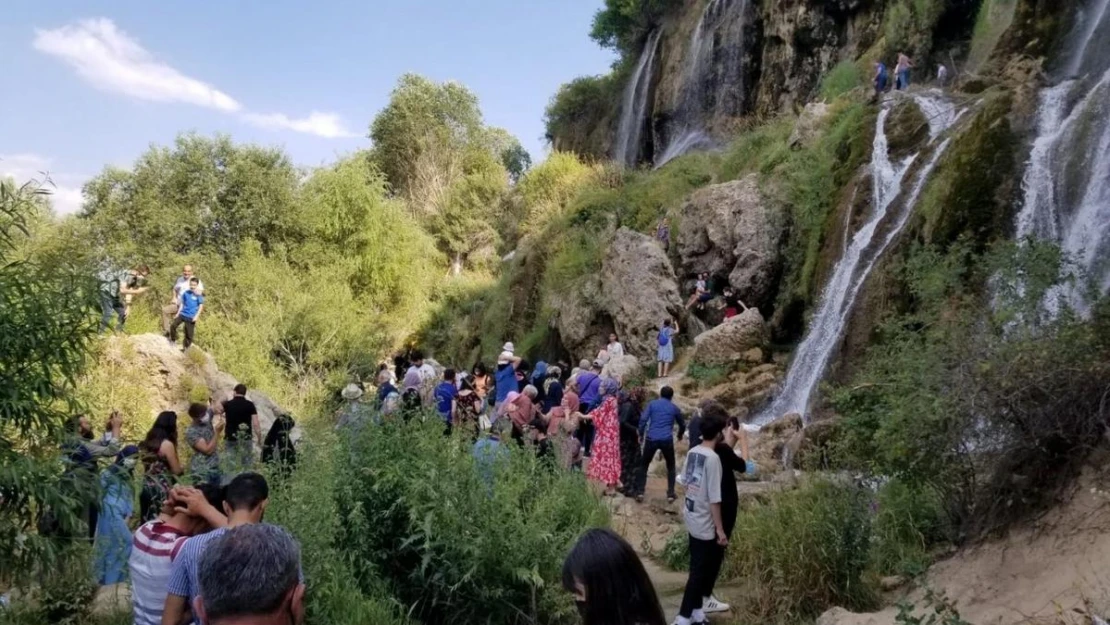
(182, 285)
(703, 487)
(615, 349)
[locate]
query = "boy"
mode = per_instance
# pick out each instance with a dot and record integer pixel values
(702, 514)
(191, 305)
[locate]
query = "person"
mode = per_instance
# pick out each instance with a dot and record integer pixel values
(882, 78)
(114, 287)
(657, 431)
(386, 388)
(191, 511)
(447, 399)
(537, 379)
(278, 449)
(589, 387)
(505, 377)
(902, 72)
(568, 447)
(487, 452)
(544, 449)
(553, 389)
(245, 501)
(630, 406)
(170, 310)
(522, 411)
(567, 409)
(702, 515)
(731, 464)
(80, 453)
(665, 354)
(701, 293)
(482, 382)
(353, 414)
(942, 75)
(663, 234)
(112, 543)
(428, 377)
(605, 463)
(413, 382)
(243, 428)
(191, 306)
(609, 583)
(266, 555)
(468, 415)
(614, 348)
(202, 436)
(733, 305)
(160, 464)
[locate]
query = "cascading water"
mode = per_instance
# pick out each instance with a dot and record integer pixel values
(861, 255)
(634, 108)
(711, 82)
(1067, 179)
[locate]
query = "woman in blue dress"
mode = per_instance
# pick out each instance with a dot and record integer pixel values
(665, 354)
(113, 535)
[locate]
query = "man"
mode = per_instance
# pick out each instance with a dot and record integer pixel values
(733, 305)
(589, 385)
(244, 503)
(243, 428)
(701, 293)
(116, 288)
(504, 379)
(447, 399)
(251, 575)
(657, 430)
(702, 514)
(731, 464)
(189, 512)
(880, 79)
(191, 305)
(170, 310)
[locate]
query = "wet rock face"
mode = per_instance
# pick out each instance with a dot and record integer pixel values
(731, 230)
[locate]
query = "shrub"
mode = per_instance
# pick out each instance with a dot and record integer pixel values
(909, 520)
(416, 513)
(804, 551)
(841, 79)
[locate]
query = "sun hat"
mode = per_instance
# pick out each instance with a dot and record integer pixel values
(508, 347)
(351, 392)
(505, 357)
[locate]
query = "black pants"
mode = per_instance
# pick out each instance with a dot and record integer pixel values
(650, 447)
(729, 511)
(586, 433)
(190, 329)
(706, 557)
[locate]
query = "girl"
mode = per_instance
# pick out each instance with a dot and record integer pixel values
(113, 536)
(609, 583)
(665, 355)
(160, 464)
(605, 462)
(202, 436)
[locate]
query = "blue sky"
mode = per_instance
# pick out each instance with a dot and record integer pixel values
(89, 84)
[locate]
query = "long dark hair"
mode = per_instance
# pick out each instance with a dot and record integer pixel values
(164, 429)
(618, 589)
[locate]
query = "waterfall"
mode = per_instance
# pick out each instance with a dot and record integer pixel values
(1067, 177)
(634, 109)
(711, 82)
(861, 255)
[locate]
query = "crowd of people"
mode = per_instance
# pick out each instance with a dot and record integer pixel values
(117, 288)
(902, 69)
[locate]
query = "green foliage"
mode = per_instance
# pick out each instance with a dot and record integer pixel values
(581, 113)
(908, 26)
(548, 189)
(992, 20)
(804, 551)
(676, 553)
(909, 520)
(416, 513)
(707, 376)
(622, 24)
(939, 610)
(844, 77)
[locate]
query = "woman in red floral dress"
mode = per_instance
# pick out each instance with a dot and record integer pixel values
(605, 462)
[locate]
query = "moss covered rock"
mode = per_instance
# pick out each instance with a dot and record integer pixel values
(906, 129)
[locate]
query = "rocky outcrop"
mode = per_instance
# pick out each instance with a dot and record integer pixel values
(731, 230)
(623, 368)
(638, 291)
(809, 125)
(582, 323)
(731, 341)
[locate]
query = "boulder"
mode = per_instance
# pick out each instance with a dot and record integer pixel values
(623, 368)
(809, 124)
(730, 341)
(767, 446)
(731, 230)
(638, 291)
(582, 323)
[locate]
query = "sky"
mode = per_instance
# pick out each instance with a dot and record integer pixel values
(95, 83)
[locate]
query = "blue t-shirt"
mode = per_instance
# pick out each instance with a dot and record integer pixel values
(589, 384)
(659, 419)
(190, 304)
(445, 393)
(506, 381)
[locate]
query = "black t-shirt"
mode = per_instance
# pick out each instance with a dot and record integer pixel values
(239, 411)
(731, 301)
(731, 464)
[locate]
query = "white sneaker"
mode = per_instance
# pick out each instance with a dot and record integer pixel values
(711, 605)
(678, 620)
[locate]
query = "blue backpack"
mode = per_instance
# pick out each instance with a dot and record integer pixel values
(664, 337)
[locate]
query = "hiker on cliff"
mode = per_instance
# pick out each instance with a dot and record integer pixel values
(657, 431)
(170, 310)
(902, 72)
(881, 79)
(115, 290)
(665, 353)
(701, 293)
(609, 583)
(191, 306)
(663, 234)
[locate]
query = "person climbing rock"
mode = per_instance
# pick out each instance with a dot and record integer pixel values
(170, 310)
(881, 80)
(733, 305)
(116, 289)
(701, 293)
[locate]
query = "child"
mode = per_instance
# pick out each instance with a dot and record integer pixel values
(702, 513)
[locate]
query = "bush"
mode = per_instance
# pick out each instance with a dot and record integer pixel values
(416, 514)
(804, 551)
(909, 521)
(841, 79)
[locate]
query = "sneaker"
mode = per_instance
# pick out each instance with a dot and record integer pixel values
(711, 605)
(670, 498)
(639, 499)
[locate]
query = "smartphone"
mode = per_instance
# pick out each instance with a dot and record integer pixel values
(734, 423)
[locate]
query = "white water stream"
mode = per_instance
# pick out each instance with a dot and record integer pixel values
(634, 108)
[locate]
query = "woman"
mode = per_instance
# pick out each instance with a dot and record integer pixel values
(160, 464)
(609, 583)
(524, 410)
(202, 435)
(386, 387)
(902, 72)
(665, 354)
(482, 381)
(565, 410)
(278, 449)
(469, 406)
(113, 536)
(539, 375)
(605, 462)
(553, 389)
(630, 406)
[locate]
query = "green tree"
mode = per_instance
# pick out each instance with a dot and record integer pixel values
(622, 24)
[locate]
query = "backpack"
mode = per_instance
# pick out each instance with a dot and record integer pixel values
(664, 338)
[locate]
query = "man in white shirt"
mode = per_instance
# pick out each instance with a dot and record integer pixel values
(169, 311)
(702, 513)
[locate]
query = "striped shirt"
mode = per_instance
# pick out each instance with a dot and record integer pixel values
(183, 580)
(155, 545)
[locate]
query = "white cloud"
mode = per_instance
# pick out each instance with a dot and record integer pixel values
(110, 60)
(64, 189)
(327, 125)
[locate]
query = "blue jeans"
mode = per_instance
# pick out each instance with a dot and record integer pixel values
(903, 81)
(111, 305)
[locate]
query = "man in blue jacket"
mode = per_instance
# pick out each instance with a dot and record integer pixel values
(657, 430)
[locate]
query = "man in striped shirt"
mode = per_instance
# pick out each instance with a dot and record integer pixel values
(156, 543)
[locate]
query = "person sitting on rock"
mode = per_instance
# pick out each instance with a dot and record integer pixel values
(733, 305)
(701, 293)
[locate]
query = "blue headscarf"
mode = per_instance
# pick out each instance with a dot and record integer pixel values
(609, 386)
(539, 373)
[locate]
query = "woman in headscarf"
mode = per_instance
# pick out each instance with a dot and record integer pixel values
(539, 374)
(631, 404)
(552, 389)
(113, 536)
(524, 411)
(565, 410)
(605, 462)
